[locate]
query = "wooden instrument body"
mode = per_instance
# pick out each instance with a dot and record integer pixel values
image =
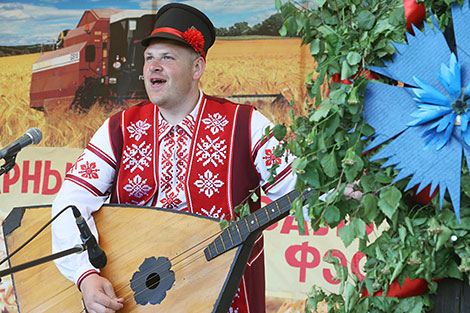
(129, 235)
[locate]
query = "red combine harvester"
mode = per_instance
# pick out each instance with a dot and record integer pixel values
(100, 60)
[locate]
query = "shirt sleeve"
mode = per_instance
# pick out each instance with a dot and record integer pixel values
(87, 186)
(262, 151)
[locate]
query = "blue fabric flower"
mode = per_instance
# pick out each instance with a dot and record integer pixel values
(427, 124)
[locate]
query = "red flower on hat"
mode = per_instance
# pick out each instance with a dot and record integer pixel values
(195, 38)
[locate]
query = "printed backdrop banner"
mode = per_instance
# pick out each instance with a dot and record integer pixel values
(294, 261)
(68, 90)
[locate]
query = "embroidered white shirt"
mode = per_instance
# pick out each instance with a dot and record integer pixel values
(90, 180)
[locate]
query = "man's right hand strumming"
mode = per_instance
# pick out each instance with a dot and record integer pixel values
(98, 295)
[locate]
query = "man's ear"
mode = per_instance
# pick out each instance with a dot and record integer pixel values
(199, 66)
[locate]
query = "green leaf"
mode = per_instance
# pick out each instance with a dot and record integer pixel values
(267, 131)
(320, 3)
(223, 224)
(367, 183)
(398, 269)
(299, 215)
(331, 125)
(352, 164)
(283, 30)
(365, 20)
(443, 237)
(383, 178)
(378, 254)
(408, 225)
(389, 200)
(315, 47)
(299, 164)
(295, 148)
(322, 112)
(346, 70)
(279, 132)
(326, 30)
(356, 228)
(350, 297)
(353, 58)
(398, 17)
(367, 130)
(329, 165)
(332, 215)
(402, 233)
(370, 206)
(311, 176)
(278, 4)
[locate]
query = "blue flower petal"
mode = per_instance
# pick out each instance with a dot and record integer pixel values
(464, 121)
(385, 110)
(460, 18)
(467, 90)
(466, 136)
(411, 128)
(428, 113)
(438, 166)
(450, 77)
(428, 94)
(444, 122)
(432, 138)
(414, 58)
(446, 136)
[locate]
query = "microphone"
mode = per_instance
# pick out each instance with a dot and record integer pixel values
(96, 255)
(32, 136)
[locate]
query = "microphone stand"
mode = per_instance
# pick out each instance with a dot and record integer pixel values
(10, 162)
(77, 249)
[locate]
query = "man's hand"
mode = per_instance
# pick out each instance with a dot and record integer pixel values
(98, 295)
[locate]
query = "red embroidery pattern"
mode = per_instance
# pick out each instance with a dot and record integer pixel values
(270, 158)
(89, 170)
(75, 166)
(171, 201)
(174, 162)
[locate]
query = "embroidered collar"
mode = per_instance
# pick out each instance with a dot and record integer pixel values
(187, 124)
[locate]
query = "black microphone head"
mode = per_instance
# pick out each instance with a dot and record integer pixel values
(76, 212)
(35, 134)
(97, 257)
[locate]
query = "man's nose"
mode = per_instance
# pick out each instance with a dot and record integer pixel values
(155, 66)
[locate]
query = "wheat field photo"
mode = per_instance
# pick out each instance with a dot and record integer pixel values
(256, 69)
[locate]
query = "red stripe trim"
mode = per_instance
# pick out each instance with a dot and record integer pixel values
(279, 178)
(101, 154)
(261, 143)
(177, 33)
(84, 275)
(167, 30)
(256, 257)
(230, 164)
(84, 184)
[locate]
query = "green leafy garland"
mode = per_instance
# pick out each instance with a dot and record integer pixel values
(421, 241)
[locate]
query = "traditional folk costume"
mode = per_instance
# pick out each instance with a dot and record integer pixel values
(206, 164)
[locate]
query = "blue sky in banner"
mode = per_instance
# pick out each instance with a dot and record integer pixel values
(24, 22)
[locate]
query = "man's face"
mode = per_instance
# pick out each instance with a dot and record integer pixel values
(169, 73)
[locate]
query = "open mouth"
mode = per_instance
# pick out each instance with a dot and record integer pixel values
(157, 81)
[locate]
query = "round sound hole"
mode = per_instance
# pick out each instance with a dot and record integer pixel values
(152, 281)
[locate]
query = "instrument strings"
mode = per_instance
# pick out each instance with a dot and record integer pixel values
(185, 255)
(145, 274)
